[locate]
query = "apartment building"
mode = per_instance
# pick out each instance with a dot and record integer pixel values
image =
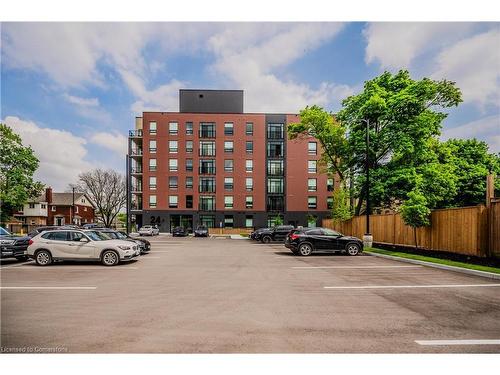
(213, 164)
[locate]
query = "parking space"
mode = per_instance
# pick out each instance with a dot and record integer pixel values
(194, 295)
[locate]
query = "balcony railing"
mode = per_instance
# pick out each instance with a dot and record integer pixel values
(136, 170)
(206, 133)
(206, 170)
(136, 206)
(135, 133)
(136, 152)
(206, 205)
(137, 188)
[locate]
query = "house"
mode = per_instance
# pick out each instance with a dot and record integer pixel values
(34, 212)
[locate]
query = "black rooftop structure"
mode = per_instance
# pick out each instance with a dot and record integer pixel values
(210, 101)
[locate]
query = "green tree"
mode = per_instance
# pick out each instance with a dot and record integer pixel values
(17, 166)
(472, 163)
(415, 212)
(405, 119)
(341, 210)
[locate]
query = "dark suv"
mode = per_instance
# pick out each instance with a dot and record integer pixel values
(12, 246)
(308, 240)
(277, 233)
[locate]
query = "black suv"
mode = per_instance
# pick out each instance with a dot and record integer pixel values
(201, 231)
(277, 233)
(13, 246)
(305, 241)
(179, 232)
(255, 235)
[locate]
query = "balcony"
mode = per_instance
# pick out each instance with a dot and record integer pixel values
(206, 205)
(136, 152)
(206, 133)
(136, 170)
(206, 170)
(136, 206)
(135, 133)
(136, 189)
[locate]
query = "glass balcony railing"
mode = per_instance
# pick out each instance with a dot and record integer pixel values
(136, 170)
(136, 152)
(206, 170)
(135, 133)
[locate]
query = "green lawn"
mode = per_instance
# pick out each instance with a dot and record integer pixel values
(433, 260)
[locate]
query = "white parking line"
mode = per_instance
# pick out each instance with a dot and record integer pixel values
(458, 342)
(73, 268)
(411, 286)
(356, 267)
(148, 257)
(48, 287)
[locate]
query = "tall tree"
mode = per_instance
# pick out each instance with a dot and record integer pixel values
(405, 117)
(107, 190)
(415, 212)
(17, 166)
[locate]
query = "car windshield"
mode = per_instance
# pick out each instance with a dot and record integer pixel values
(330, 232)
(3, 232)
(120, 235)
(96, 236)
(202, 227)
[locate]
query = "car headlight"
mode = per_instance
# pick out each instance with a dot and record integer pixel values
(124, 247)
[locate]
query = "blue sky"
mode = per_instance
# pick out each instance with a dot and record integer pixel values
(72, 90)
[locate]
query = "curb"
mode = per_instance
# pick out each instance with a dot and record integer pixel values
(489, 275)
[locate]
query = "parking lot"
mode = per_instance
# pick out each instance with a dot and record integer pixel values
(192, 295)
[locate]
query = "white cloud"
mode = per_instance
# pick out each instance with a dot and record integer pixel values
(486, 129)
(115, 142)
(82, 102)
(61, 153)
(474, 63)
(396, 44)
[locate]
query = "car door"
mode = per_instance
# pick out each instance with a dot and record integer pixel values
(315, 237)
(81, 249)
(330, 239)
(281, 233)
(58, 244)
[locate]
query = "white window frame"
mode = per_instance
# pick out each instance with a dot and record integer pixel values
(173, 147)
(228, 201)
(173, 127)
(249, 165)
(152, 201)
(173, 201)
(173, 165)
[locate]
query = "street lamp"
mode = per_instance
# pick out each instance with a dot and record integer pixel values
(367, 238)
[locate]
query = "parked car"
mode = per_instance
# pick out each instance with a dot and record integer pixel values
(83, 245)
(255, 235)
(179, 232)
(308, 240)
(12, 246)
(148, 230)
(201, 231)
(277, 233)
(115, 235)
(92, 225)
(39, 230)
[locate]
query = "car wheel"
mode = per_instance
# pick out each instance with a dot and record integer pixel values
(110, 258)
(305, 249)
(43, 258)
(266, 239)
(352, 249)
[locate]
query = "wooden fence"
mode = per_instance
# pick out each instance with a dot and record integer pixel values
(230, 230)
(458, 230)
(494, 227)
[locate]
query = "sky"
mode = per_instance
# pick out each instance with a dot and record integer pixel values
(72, 90)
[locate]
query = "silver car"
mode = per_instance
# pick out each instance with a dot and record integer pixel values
(84, 245)
(149, 230)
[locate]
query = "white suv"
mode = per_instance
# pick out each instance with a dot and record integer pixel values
(85, 245)
(149, 230)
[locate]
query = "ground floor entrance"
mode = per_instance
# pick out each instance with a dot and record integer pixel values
(185, 221)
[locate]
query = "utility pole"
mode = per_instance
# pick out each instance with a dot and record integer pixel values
(367, 238)
(73, 207)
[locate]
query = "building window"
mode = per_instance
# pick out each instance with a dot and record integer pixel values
(275, 203)
(275, 167)
(228, 146)
(207, 166)
(85, 209)
(329, 184)
(207, 203)
(275, 185)
(189, 128)
(152, 183)
(152, 201)
(152, 165)
(249, 183)
(228, 183)
(207, 130)
(249, 165)
(249, 128)
(207, 220)
(173, 147)
(53, 208)
(43, 206)
(152, 146)
(312, 148)
(248, 201)
(173, 201)
(228, 202)
(275, 149)
(189, 182)
(249, 147)
(248, 221)
(76, 209)
(311, 184)
(189, 146)
(152, 128)
(228, 128)
(329, 203)
(228, 221)
(311, 202)
(206, 185)
(189, 165)
(312, 166)
(275, 131)
(173, 127)
(173, 165)
(189, 201)
(31, 205)
(228, 165)
(173, 182)
(207, 148)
